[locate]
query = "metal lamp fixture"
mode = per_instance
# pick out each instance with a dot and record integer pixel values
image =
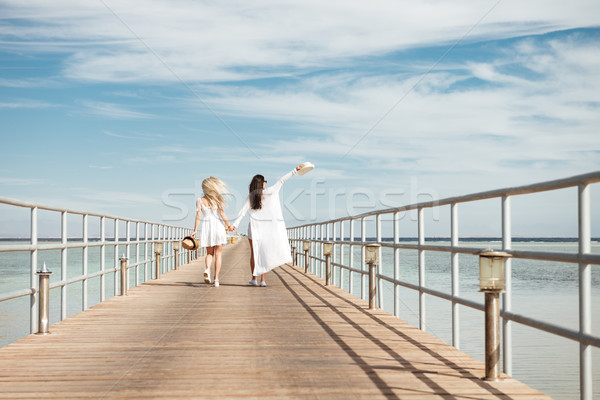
(491, 270)
(372, 253)
(158, 247)
(306, 245)
(327, 248)
(491, 282)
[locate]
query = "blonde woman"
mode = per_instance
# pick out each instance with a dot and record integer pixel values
(214, 224)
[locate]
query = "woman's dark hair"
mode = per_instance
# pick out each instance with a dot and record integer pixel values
(256, 190)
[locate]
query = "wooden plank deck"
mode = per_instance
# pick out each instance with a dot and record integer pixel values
(179, 338)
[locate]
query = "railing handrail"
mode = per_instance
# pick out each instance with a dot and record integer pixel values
(563, 183)
(25, 204)
(128, 233)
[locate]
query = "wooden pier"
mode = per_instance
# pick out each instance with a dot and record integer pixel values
(178, 338)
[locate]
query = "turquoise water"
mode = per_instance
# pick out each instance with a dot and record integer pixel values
(547, 291)
(15, 275)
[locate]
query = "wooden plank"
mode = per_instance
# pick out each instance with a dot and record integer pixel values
(180, 338)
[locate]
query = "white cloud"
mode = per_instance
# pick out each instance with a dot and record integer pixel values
(114, 111)
(237, 40)
(20, 181)
(27, 103)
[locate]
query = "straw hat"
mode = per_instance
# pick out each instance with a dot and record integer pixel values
(305, 167)
(189, 243)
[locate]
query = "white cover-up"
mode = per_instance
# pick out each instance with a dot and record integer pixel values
(212, 227)
(269, 236)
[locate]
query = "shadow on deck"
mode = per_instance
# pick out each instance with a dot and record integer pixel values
(177, 337)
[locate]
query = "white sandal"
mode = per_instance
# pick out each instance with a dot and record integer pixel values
(207, 276)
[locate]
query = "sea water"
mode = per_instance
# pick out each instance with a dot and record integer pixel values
(547, 291)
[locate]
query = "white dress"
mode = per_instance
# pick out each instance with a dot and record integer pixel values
(269, 236)
(212, 227)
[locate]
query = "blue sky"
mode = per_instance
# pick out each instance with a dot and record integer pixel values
(123, 108)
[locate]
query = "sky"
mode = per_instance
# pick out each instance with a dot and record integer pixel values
(123, 108)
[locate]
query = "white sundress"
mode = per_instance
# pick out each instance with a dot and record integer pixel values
(212, 227)
(267, 229)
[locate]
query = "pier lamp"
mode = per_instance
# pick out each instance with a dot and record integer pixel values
(158, 248)
(491, 282)
(491, 271)
(176, 250)
(306, 248)
(372, 258)
(327, 251)
(44, 300)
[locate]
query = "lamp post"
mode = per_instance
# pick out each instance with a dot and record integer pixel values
(44, 299)
(158, 247)
(176, 250)
(294, 256)
(306, 247)
(124, 281)
(372, 258)
(327, 251)
(491, 282)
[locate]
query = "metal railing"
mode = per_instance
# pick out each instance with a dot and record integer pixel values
(318, 233)
(142, 235)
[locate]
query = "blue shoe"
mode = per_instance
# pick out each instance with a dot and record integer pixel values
(253, 282)
(263, 284)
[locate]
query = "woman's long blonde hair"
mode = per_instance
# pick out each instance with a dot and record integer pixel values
(214, 189)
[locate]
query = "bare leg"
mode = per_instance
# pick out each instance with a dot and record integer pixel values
(210, 251)
(218, 259)
(252, 260)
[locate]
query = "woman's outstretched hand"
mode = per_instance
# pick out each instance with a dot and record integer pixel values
(193, 234)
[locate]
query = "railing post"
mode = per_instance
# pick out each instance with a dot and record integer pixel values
(294, 256)
(379, 269)
(455, 275)
(137, 254)
(33, 303)
(44, 300)
(116, 256)
(422, 303)
(176, 250)
(492, 336)
(306, 247)
(396, 265)
(102, 260)
(157, 251)
(84, 282)
(507, 295)
(327, 251)
(63, 266)
(351, 259)
(585, 292)
(372, 259)
(341, 258)
(124, 280)
(363, 238)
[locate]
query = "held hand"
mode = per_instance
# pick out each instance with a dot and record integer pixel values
(299, 167)
(193, 234)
